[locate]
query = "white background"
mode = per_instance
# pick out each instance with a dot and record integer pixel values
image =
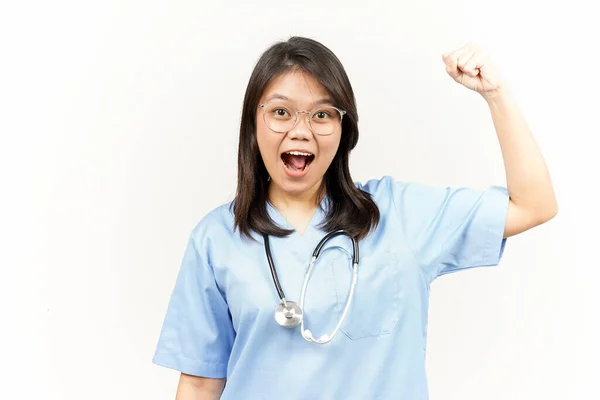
(119, 124)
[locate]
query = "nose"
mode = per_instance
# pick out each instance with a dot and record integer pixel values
(301, 130)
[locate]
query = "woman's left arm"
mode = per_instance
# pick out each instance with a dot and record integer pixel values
(532, 199)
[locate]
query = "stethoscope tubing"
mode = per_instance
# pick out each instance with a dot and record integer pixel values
(315, 256)
(307, 334)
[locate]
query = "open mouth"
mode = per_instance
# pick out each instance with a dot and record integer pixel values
(297, 161)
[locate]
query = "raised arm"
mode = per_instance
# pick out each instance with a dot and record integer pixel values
(532, 198)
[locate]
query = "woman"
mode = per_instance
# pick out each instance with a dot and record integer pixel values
(333, 336)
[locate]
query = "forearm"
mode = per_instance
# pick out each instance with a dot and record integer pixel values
(197, 388)
(528, 180)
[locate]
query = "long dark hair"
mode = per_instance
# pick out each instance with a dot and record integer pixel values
(349, 207)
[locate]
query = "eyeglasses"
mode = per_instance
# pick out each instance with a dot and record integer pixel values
(322, 120)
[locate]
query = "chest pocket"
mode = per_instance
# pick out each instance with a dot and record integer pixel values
(375, 308)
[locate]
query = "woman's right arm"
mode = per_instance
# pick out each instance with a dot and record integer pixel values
(199, 388)
(197, 333)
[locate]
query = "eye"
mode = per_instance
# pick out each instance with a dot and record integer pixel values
(322, 114)
(280, 112)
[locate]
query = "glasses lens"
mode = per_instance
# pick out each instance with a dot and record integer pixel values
(280, 117)
(325, 120)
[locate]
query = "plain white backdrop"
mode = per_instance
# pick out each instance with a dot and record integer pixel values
(119, 124)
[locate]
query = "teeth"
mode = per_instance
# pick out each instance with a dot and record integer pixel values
(299, 153)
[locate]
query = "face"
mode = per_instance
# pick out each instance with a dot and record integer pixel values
(296, 159)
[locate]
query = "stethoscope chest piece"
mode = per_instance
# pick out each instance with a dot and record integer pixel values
(288, 315)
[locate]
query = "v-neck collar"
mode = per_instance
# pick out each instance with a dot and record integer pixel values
(316, 219)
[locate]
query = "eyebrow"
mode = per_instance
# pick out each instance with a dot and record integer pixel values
(279, 96)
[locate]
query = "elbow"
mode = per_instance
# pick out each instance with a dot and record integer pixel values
(521, 219)
(547, 212)
(554, 211)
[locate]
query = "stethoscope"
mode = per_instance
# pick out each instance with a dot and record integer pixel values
(289, 314)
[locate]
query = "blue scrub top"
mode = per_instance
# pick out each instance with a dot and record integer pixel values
(219, 322)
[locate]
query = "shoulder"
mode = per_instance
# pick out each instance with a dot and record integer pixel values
(411, 199)
(376, 186)
(387, 187)
(217, 224)
(418, 194)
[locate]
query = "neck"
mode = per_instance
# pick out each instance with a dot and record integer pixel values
(282, 200)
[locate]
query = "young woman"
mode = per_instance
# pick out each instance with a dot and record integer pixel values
(311, 286)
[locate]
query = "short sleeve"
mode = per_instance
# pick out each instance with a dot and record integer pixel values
(197, 332)
(451, 229)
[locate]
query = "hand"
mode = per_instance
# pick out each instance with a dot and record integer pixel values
(472, 68)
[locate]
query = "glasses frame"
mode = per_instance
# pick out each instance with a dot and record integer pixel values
(296, 119)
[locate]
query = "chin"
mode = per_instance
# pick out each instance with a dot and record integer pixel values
(298, 187)
(295, 187)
